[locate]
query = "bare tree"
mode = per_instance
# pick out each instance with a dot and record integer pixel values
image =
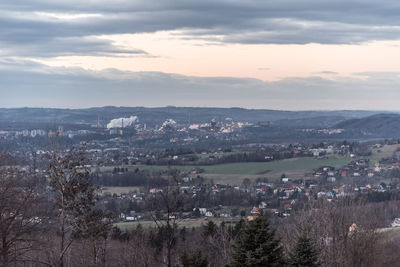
(345, 231)
(75, 197)
(135, 250)
(93, 229)
(217, 244)
(167, 203)
(20, 216)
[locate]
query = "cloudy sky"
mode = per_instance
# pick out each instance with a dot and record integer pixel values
(275, 54)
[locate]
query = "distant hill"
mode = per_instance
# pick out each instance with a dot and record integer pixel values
(379, 125)
(154, 116)
(312, 122)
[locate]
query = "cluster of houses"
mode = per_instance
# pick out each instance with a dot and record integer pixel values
(325, 184)
(32, 133)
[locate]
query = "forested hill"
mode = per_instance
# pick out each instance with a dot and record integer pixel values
(179, 114)
(379, 125)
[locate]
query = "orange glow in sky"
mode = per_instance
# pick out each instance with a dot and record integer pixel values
(169, 52)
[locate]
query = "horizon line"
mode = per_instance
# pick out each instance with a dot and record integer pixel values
(200, 107)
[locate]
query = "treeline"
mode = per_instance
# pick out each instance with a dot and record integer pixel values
(203, 199)
(257, 156)
(243, 244)
(386, 196)
(343, 233)
(129, 178)
(347, 232)
(8, 159)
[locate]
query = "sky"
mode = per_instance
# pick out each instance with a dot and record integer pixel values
(275, 54)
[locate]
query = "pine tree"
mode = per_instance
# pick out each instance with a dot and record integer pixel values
(234, 231)
(183, 233)
(209, 229)
(304, 253)
(195, 260)
(257, 246)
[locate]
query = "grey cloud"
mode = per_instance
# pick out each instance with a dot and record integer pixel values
(38, 37)
(71, 46)
(31, 84)
(224, 21)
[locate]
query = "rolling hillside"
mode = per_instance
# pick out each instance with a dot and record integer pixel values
(379, 125)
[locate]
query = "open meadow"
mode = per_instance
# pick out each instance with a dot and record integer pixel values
(383, 152)
(234, 173)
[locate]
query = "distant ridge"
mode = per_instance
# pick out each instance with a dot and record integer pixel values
(179, 114)
(378, 125)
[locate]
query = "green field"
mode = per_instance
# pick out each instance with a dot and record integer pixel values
(383, 152)
(306, 163)
(389, 234)
(234, 173)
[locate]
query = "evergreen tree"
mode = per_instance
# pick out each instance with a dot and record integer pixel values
(196, 213)
(195, 260)
(234, 231)
(257, 246)
(183, 233)
(304, 253)
(209, 229)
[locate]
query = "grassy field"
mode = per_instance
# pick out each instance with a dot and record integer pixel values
(383, 152)
(234, 173)
(389, 234)
(279, 166)
(188, 223)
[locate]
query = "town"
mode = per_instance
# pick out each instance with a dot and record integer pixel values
(212, 174)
